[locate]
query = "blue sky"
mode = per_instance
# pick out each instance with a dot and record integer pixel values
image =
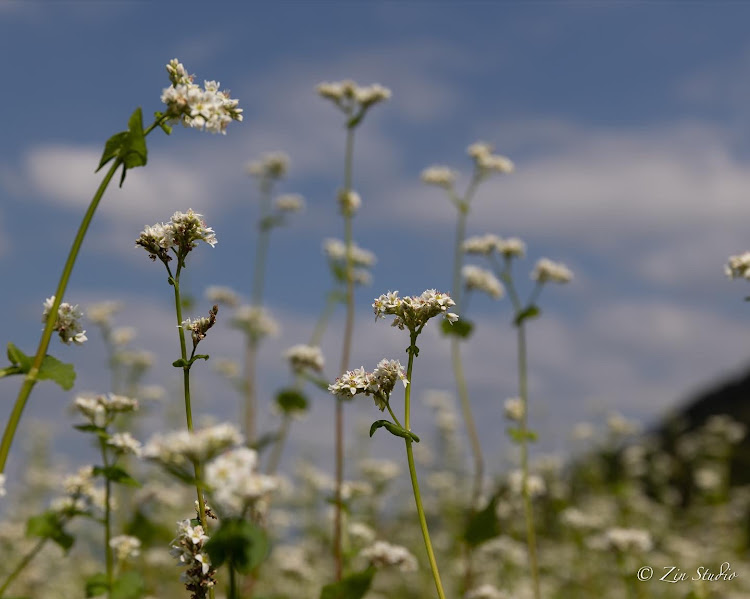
(628, 124)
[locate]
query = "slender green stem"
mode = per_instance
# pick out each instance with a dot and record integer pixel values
(413, 472)
(31, 376)
(527, 508)
(275, 458)
(25, 561)
(107, 519)
(186, 387)
(345, 352)
(234, 591)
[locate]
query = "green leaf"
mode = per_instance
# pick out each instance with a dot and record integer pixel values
(49, 526)
(291, 401)
(531, 311)
(164, 126)
(116, 474)
(394, 429)
(518, 435)
(112, 148)
(179, 363)
(97, 585)
(129, 585)
(353, 586)
(128, 147)
(10, 371)
(461, 328)
(482, 525)
(54, 370)
(18, 358)
(240, 544)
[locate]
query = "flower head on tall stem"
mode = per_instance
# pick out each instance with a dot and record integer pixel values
(413, 312)
(200, 326)
(67, 325)
(181, 235)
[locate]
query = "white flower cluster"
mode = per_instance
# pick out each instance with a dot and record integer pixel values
(102, 313)
(122, 335)
(235, 484)
(381, 554)
(349, 202)
(629, 539)
(100, 409)
(486, 591)
(181, 234)
(273, 165)
(481, 279)
(379, 383)
(512, 247)
(67, 325)
(255, 321)
(534, 483)
(379, 472)
(486, 162)
(738, 266)
(514, 409)
(726, 428)
(200, 326)
(217, 294)
(413, 312)
(289, 202)
(187, 548)
(301, 357)
(335, 251)
(547, 270)
(442, 176)
(125, 443)
(206, 108)
(347, 95)
(181, 449)
(125, 547)
(81, 496)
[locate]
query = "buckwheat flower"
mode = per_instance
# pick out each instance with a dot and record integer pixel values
(67, 324)
(217, 294)
(481, 279)
(534, 484)
(226, 367)
(331, 91)
(413, 312)
(255, 321)
(101, 314)
(442, 176)
(481, 244)
(290, 202)
(182, 448)
(100, 409)
(187, 548)
(234, 482)
(350, 97)
(726, 427)
(738, 266)
(707, 479)
(495, 163)
(273, 165)
(349, 201)
(479, 149)
(125, 443)
(351, 489)
(486, 591)
(514, 409)
(189, 228)
(350, 383)
(302, 357)
(372, 94)
(512, 247)
(383, 380)
(137, 360)
(619, 425)
(628, 540)
(206, 108)
(200, 326)
(547, 270)
(576, 519)
(122, 335)
(379, 472)
(382, 555)
(361, 534)
(125, 547)
(335, 250)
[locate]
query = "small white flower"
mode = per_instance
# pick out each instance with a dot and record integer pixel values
(67, 324)
(481, 244)
(123, 335)
(512, 247)
(290, 202)
(126, 443)
(255, 321)
(483, 280)
(629, 539)
(382, 554)
(349, 201)
(738, 266)
(413, 312)
(486, 591)
(273, 165)
(442, 176)
(534, 483)
(514, 409)
(102, 313)
(217, 294)
(547, 270)
(303, 356)
(125, 547)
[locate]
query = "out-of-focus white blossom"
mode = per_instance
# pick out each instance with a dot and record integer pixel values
(335, 250)
(381, 554)
(255, 321)
(628, 540)
(235, 484)
(206, 108)
(442, 176)
(217, 294)
(126, 443)
(379, 472)
(738, 266)
(302, 357)
(101, 314)
(273, 165)
(125, 547)
(547, 270)
(181, 448)
(486, 162)
(486, 591)
(350, 97)
(514, 409)
(289, 202)
(67, 324)
(534, 483)
(481, 279)
(349, 201)
(122, 335)
(100, 409)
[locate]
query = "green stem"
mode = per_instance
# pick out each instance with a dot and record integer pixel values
(23, 563)
(107, 520)
(186, 387)
(345, 351)
(234, 592)
(31, 376)
(527, 508)
(278, 447)
(413, 472)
